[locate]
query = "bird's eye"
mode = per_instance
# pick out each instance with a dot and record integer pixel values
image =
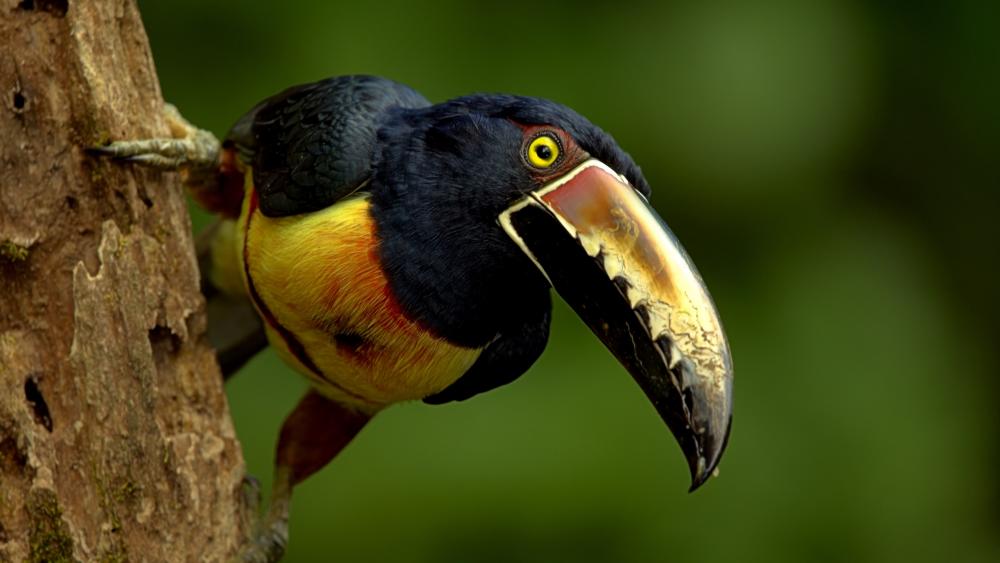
(543, 151)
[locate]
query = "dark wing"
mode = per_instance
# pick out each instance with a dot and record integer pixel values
(503, 360)
(312, 144)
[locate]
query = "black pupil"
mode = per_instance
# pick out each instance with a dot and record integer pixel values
(544, 152)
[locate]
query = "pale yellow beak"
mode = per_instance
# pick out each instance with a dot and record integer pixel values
(611, 257)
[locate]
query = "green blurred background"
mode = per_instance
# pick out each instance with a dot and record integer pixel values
(831, 166)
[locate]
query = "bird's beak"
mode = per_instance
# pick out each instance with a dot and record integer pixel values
(611, 257)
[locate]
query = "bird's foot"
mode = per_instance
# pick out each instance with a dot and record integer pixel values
(267, 544)
(315, 432)
(188, 147)
(251, 501)
(211, 174)
(268, 535)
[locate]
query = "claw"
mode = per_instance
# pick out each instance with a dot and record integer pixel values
(267, 533)
(251, 494)
(268, 545)
(189, 147)
(153, 160)
(198, 151)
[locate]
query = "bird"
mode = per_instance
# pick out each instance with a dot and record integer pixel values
(398, 250)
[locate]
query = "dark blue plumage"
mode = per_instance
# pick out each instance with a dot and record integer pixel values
(438, 176)
(311, 145)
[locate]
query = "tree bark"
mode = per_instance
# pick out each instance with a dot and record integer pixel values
(115, 437)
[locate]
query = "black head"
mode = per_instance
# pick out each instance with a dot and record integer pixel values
(484, 202)
(444, 175)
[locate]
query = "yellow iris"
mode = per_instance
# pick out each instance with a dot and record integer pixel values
(543, 151)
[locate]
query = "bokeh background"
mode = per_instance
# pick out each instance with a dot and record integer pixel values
(832, 167)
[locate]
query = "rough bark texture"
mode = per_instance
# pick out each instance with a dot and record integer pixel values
(115, 438)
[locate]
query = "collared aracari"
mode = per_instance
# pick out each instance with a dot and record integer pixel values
(398, 250)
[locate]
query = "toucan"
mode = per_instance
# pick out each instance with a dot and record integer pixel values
(398, 250)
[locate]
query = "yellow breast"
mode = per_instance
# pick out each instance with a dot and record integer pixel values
(317, 281)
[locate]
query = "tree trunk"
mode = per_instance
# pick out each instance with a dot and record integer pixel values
(115, 437)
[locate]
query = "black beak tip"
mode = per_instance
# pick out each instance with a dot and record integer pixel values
(699, 478)
(704, 467)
